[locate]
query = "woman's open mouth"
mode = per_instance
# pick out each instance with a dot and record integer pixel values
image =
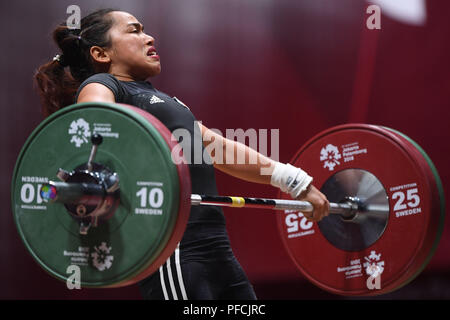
(152, 53)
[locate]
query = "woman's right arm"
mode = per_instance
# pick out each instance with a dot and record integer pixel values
(96, 92)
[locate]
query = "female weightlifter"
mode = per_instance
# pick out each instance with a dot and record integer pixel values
(109, 59)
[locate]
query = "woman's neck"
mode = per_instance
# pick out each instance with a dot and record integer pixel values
(122, 77)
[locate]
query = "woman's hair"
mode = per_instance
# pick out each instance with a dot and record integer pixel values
(57, 86)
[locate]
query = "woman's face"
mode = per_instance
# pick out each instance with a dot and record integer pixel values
(132, 52)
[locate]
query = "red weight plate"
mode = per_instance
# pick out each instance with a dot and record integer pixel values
(435, 228)
(402, 244)
(184, 200)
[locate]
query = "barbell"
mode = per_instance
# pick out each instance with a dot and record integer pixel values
(121, 208)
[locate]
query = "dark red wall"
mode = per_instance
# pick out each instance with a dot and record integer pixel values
(298, 66)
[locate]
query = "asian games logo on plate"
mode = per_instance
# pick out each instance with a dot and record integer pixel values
(80, 131)
(330, 156)
(101, 257)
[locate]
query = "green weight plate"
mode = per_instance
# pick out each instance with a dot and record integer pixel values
(149, 212)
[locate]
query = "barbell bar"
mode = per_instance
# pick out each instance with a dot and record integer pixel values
(348, 208)
(92, 194)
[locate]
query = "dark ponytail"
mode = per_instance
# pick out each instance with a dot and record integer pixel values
(58, 86)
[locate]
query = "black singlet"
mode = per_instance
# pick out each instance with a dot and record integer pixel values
(205, 237)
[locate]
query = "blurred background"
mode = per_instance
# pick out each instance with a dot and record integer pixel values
(299, 66)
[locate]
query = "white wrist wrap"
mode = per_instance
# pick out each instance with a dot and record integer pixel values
(290, 179)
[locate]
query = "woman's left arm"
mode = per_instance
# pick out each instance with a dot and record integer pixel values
(237, 159)
(263, 170)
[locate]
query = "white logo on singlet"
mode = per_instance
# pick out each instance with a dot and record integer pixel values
(155, 99)
(180, 102)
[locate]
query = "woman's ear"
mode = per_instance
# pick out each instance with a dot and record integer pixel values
(99, 54)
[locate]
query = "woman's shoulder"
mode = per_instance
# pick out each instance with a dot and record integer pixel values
(101, 77)
(105, 79)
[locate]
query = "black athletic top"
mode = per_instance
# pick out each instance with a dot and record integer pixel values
(205, 236)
